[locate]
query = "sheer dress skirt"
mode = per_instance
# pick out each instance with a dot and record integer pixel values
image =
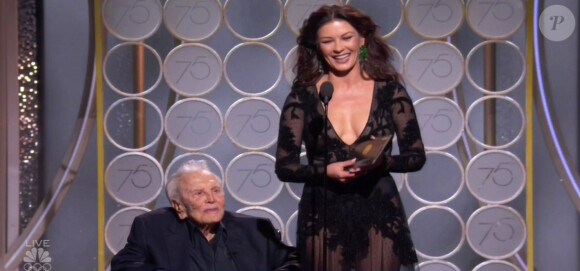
(366, 227)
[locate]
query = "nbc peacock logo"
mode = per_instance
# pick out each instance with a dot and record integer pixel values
(37, 259)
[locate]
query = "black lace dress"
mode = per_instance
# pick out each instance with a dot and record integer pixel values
(366, 222)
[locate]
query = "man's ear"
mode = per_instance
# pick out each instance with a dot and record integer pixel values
(179, 209)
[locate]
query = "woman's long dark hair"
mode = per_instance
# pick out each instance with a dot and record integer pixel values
(310, 65)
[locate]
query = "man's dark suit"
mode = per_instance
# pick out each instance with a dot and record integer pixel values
(159, 240)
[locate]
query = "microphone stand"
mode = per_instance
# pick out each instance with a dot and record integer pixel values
(325, 95)
(325, 184)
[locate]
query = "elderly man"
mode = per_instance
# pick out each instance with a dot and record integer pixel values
(198, 234)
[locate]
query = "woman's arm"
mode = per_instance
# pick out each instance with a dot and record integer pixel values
(411, 155)
(292, 125)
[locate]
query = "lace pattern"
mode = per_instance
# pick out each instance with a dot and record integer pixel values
(365, 205)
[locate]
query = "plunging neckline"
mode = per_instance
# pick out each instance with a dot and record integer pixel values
(331, 126)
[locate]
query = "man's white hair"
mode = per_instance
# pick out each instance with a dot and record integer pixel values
(191, 166)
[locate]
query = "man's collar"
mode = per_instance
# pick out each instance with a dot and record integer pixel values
(220, 227)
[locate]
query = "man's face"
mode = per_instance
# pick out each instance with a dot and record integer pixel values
(202, 199)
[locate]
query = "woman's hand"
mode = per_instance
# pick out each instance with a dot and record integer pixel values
(343, 171)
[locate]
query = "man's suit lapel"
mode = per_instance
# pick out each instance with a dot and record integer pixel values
(237, 244)
(181, 249)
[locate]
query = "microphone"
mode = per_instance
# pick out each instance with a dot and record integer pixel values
(326, 90)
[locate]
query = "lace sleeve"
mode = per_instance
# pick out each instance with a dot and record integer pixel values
(291, 131)
(411, 149)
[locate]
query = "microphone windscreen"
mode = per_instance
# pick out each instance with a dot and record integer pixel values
(326, 90)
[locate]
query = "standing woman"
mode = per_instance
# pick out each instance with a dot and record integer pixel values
(365, 220)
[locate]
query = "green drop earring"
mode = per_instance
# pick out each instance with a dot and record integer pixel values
(363, 53)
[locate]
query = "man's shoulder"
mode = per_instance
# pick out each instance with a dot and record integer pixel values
(243, 219)
(249, 223)
(161, 214)
(239, 217)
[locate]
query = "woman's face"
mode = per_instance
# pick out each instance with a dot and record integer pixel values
(339, 44)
